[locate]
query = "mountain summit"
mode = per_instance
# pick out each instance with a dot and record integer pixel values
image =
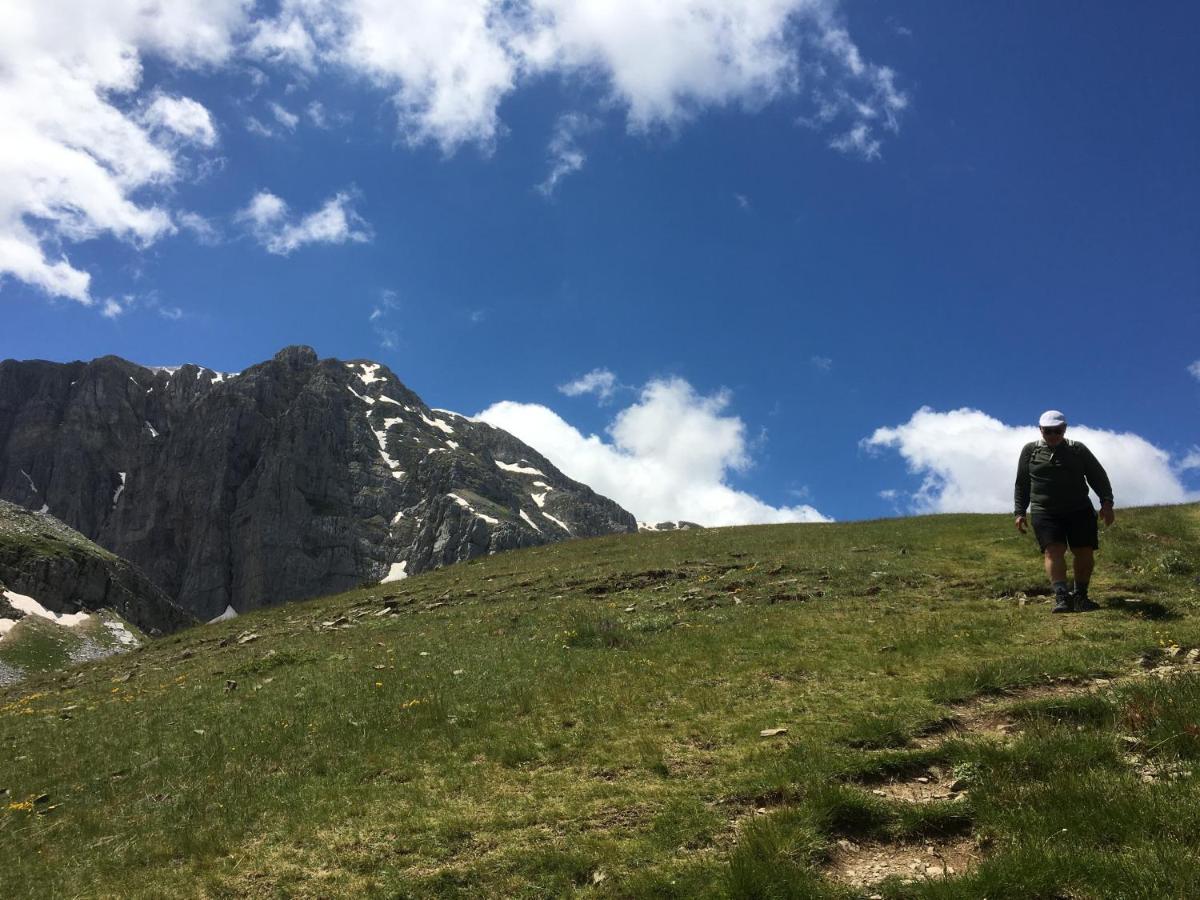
(295, 478)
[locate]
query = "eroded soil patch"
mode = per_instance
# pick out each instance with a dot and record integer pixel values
(859, 864)
(995, 718)
(933, 785)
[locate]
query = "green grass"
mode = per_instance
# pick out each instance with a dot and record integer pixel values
(36, 644)
(584, 719)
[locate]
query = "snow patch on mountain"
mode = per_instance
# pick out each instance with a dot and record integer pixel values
(520, 469)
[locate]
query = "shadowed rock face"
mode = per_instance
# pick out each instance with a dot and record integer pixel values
(295, 478)
(42, 558)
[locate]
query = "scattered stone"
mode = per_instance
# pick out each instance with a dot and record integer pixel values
(773, 732)
(230, 686)
(246, 637)
(868, 863)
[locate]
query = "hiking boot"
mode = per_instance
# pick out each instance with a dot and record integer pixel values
(1083, 604)
(1063, 604)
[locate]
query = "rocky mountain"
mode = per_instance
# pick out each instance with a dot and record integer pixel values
(64, 599)
(295, 478)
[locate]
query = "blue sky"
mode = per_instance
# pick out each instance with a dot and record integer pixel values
(789, 247)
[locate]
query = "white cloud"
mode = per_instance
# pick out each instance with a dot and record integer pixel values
(257, 126)
(203, 229)
(667, 456)
(389, 302)
(600, 382)
(112, 309)
(967, 461)
(1194, 369)
(336, 222)
(822, 363)
(446, 64)
(75, 154)
(288, 120)
(1191, 461)
(858, 141)
(449, 66)
(316, 114)
(283, 42)
(89, 151)
(182, 116)
(564, 151)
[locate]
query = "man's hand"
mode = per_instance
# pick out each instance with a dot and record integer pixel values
(1021, 522)
(1106, 513)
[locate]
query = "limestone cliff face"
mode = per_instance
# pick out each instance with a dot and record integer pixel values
(42, 558)
(295, 478)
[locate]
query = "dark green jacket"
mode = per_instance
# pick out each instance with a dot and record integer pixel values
(1057, 480)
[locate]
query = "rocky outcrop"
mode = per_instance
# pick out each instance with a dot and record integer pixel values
(681, 525)
(41, 557)
(295, 478)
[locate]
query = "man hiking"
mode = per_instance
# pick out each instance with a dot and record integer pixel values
(1053, 477)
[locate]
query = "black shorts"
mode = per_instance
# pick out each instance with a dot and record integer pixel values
(1076, 529)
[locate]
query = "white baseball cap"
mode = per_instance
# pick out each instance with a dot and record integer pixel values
(1052, 418)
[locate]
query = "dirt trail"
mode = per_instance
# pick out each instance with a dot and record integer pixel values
(989, 718)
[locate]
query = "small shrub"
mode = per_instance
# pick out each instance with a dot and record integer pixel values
(597, 634)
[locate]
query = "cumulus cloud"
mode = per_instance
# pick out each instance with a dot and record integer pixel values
(269, 220)
(448, 66)
(77, 159)
(600, 382)
(668, 456)
(967, 461)
(1194, 369)
(90, 151)
(283, 41)
(182, 116)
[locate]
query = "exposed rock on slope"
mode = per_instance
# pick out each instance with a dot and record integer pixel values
(66, 574)
(295, 478)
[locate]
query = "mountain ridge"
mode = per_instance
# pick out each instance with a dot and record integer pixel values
(293, 478)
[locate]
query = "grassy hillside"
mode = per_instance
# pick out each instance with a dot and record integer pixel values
(588, 718)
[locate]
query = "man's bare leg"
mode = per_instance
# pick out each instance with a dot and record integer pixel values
(1083, 561)
(1055, 556)
(1056, 570)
